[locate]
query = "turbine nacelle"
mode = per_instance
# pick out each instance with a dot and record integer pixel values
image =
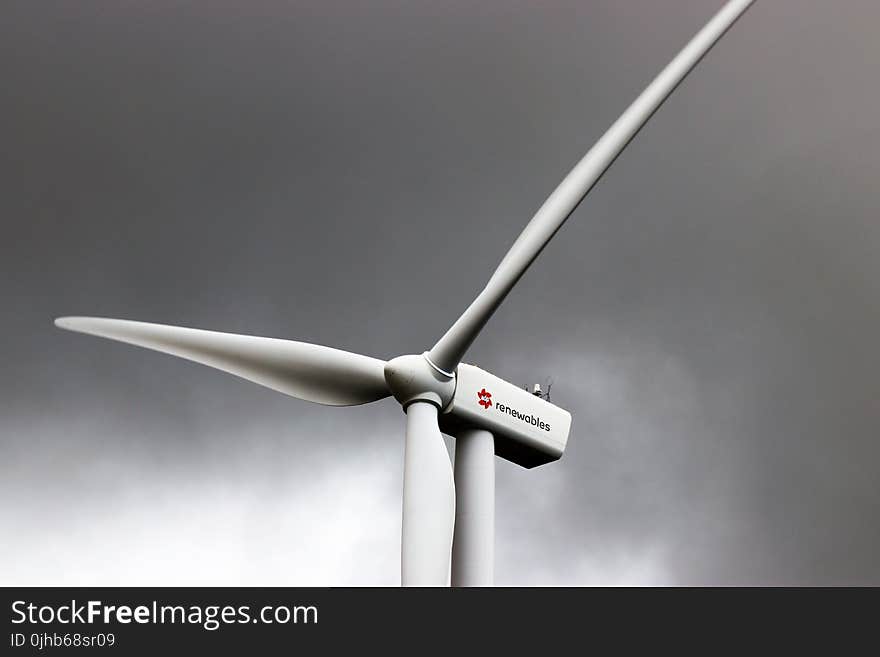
(528, 430)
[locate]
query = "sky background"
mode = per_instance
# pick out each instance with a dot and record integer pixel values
(350, 174)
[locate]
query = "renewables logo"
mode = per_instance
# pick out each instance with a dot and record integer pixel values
(485, 398)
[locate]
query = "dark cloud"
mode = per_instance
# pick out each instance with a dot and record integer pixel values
(350, 175)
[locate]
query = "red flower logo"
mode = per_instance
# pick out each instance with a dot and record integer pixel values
(485, 398)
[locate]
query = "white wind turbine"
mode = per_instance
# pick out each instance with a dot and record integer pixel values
(487, 416)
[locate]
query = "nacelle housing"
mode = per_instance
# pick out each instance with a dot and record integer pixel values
(528, 430)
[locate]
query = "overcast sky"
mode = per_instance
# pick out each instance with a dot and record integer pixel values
(350, 174)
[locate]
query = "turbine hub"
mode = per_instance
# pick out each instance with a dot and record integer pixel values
(415, 378)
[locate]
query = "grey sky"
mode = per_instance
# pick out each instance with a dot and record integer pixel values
(310, 170)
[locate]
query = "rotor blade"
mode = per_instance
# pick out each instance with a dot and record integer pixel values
(450, 349)
(428, 501)
(302, 370)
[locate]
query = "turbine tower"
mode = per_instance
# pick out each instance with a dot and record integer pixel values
(437, 391)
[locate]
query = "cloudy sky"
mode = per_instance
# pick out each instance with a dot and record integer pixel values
(350, 174)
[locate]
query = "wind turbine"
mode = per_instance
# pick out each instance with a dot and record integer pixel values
(488, 416)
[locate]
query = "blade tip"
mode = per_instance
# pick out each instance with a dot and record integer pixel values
(69, 323)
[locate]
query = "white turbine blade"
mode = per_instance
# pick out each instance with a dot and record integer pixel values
(306, 371)
(428, 501)
(450, 349)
